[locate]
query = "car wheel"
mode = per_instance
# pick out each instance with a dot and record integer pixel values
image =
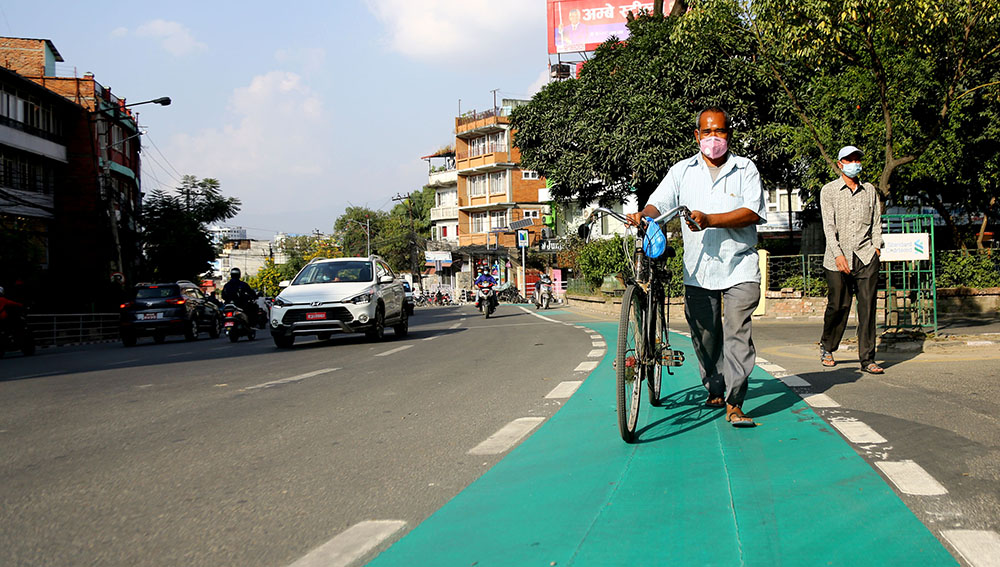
(402, 328)
(191, 331)
(283, 342)
(216, 329)
(377, 332)
(128, 339)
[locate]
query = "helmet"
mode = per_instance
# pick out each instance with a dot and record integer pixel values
(235, 273)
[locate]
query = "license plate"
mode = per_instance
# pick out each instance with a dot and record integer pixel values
(148, 316)
(229, 324)
(315, 316)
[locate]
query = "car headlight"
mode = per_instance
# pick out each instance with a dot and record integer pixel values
(363, 297)
(280, 302)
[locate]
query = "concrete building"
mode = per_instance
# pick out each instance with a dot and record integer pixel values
(95, 186)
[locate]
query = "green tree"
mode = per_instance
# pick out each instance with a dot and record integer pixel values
(885, 75)
(301, 249)
(267, 279)
(631, 113)
(174, 228)
(356, 227)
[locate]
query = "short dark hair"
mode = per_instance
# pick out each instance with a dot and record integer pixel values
(697, 119)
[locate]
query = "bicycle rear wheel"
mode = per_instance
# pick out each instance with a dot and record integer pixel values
(660, 342)
(628, 362)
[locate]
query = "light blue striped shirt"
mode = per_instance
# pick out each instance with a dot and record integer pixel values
(716, 258)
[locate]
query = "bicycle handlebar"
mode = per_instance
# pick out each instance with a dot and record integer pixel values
(680, 209)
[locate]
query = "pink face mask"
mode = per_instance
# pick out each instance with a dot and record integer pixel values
(714, 147)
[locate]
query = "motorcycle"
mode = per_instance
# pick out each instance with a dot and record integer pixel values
(486, 298)
(543, 296)
(15, 333)
(237, 324)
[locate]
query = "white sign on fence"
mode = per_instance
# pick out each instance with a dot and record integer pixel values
(906, 246)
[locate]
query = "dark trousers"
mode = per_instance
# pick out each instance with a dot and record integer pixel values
(863, 283)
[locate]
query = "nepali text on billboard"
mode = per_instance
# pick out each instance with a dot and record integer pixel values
(582, 25)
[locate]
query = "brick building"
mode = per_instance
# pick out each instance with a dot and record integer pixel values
(95, 192)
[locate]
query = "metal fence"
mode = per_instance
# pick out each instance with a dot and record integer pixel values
(801, 272)
(70, 328)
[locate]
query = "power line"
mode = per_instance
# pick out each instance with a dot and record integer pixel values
(157, 148)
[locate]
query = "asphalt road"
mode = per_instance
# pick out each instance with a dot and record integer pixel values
(211, 453)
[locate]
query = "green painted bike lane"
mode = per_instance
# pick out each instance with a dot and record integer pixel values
(692, 491)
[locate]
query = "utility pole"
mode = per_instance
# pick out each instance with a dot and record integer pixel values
(494, 91)
(413, 236)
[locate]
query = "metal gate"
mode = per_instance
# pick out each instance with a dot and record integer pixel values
(909, 296)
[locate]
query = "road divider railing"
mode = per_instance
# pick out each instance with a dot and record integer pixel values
(58, 329)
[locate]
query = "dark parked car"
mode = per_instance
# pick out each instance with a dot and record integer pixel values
(162, 309)
(408, 299)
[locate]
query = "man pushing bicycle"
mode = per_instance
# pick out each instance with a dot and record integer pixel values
(721, 271)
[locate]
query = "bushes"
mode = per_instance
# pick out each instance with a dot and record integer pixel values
(813, 287)
(599, 258)
(961, 268)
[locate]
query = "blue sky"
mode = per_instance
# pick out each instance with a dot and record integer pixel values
(303, 108)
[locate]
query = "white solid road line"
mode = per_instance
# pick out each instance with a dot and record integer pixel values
(123, 362)
(857, 432)
(351, 544)
(586, 366)
(911, 478)
(981, 548)
(507, 437)
(530, 312)
(292, 379)
(819, 400)
(431, 338)
(564, 389)
(394, 351)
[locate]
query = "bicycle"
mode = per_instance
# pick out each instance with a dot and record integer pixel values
(643, 326)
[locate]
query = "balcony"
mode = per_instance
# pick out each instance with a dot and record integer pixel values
(486, 162)
(444, 213)
(443, 178)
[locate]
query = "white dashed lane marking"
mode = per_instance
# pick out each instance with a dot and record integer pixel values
(394, 351)
(857, 432)
(351, 544)
(980, 548)
(596, 353)
(598, 344)
(564, 389)
(298, 378)
(911, 478)
(586, 366)
(507, 436)
(819, 400)
(771, 367)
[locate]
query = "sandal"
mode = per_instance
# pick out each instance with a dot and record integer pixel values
(737, 418)
(873, 368)
(715, 402)
(826, 357)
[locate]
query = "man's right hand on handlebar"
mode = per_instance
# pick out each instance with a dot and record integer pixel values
(651, 211)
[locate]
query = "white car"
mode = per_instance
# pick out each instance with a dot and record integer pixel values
(340, 295)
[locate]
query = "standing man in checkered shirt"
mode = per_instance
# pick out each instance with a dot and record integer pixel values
(852, 222)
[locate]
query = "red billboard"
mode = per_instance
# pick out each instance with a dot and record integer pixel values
(582, 25)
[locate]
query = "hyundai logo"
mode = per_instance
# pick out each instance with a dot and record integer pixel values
(316, 303)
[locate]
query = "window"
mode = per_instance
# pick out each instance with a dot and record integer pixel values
(477, 185)
(444, 232)
(531, 213)
(479, 221)
(498, 219)
(498, 183)
(491, 143)
(528, 174)
(434, 233)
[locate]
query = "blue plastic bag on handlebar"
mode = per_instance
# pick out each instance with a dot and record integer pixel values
(654, 243)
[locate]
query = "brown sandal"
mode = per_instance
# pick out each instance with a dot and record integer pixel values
(715, 402)
(736, 417)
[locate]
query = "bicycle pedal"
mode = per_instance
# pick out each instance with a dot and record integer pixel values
(672, 357)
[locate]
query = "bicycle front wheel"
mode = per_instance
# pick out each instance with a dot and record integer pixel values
(660, 342)
(628, 362)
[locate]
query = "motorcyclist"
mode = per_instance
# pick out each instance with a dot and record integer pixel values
(485, 278)
(240, 294)
(9, 309)
(543, 280)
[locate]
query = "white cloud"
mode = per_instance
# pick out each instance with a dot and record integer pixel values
(119, 32)
(460, 30)
(274, 152)
(540, 81)
(174, 37)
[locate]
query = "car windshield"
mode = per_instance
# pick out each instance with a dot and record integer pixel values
(157, 292)
(331, 272)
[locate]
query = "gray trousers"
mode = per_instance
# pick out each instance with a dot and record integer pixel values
(720, 331)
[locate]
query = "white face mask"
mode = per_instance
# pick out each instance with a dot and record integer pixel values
(851, 169)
